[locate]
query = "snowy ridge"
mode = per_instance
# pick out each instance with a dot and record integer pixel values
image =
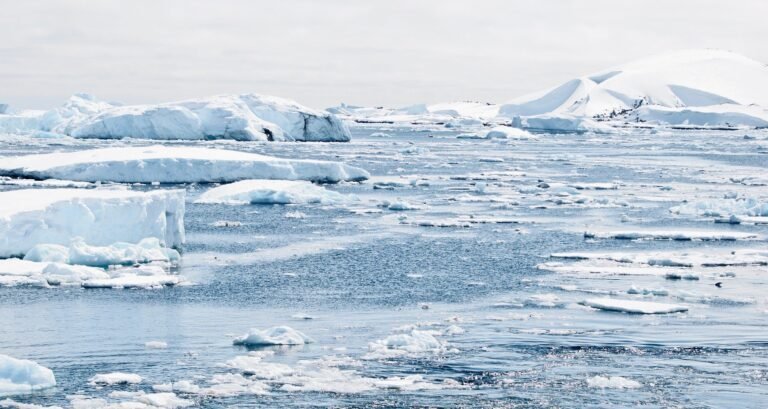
(697, 88)
(246, 117)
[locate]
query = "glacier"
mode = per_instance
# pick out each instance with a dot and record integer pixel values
(245, 117)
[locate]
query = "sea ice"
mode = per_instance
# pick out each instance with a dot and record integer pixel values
(245, 117)
(260, 191)
(173, 164)
(633, 307)
(612, 382)
(273, 336)
(115, 378)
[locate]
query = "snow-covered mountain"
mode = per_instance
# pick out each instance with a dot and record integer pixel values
(241, 117)
(704, 88)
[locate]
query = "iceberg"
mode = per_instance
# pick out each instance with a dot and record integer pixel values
(21, 376)
(708, 89)
(100, 217)
(173, 164)
(246, 117)
(262, 191)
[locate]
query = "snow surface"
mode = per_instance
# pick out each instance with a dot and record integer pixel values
(281, 335)
(173, 164)
(100, 217)
(245, 117)
(633, 307)
(260, 191)
(698, 88)
(20, 376)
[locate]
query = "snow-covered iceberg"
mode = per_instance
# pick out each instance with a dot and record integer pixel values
(100, 217)
(173, 164)
(246, 117)
(262, 191)
(20, 376)
(691, 88)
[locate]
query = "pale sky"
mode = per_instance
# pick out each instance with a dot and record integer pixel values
(323, 52)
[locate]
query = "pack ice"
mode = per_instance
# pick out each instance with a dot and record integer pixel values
(99, 217)
(246, 117)
(173, 164)
(20, 376)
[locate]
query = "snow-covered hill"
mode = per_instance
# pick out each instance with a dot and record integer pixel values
(697, 88)
(241, 117)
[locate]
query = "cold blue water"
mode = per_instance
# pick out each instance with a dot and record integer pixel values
(462, 266)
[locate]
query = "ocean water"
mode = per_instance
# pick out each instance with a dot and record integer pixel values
(476, 313)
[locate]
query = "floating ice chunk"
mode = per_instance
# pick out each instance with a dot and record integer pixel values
(633, 307)
(416, 342)
(260, 191)
(156, 345)
(400, 205)
(21, 376)
(648, 291)
(78, 252)
(115, 378)
(273, 336)
(507, 132)
(142, 277)
(612, 382)
(12, 404)
(673, 235)
(723, 208)
(173, 164)
(165, 400)
(100, 217)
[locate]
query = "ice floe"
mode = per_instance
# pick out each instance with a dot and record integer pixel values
(632, 306)
(115, 378)
(262, 191)
(281, 335)
(21, 376)
(173, 164)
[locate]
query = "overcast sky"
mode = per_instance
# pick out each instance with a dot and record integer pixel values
(322, 52)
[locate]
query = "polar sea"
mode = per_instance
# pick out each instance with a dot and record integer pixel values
(458, 278)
